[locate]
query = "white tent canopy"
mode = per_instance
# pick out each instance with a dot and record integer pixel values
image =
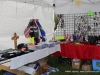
(15, 15)
(66, 6)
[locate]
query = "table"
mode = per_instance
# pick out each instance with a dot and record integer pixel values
(16, 64)
(31, 57)
(79, 51)
(15, 71)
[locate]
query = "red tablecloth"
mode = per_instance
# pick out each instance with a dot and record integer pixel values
(79, 51)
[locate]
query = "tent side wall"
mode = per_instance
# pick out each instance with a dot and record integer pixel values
(15, 16)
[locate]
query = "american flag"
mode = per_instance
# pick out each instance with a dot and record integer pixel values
(26, 31)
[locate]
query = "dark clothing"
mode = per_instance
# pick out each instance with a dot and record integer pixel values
(34, 32)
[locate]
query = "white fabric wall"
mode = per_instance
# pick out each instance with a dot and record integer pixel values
(14, 17)
(70, 7)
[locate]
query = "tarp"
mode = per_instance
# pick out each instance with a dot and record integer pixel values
(15, 16)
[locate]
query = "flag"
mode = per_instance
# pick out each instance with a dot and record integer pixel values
(26, 31)
(42, 32)
(41, 29)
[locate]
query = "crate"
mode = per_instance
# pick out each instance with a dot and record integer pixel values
(96, 65)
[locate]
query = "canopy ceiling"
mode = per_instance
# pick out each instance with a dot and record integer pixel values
(56, 2)
(65, 6)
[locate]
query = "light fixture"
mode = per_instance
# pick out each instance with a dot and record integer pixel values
(78, 2)
(54, 5)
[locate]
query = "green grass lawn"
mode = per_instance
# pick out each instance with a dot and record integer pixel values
(1, 72)
(66, 67)
(63, 68)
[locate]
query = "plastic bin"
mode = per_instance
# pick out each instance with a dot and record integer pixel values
(96, 65)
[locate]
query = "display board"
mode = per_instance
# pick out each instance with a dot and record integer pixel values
(83, 24)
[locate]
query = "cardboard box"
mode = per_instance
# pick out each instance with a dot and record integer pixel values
(86, 66)
(76, 64)
(25, 69)
(42, 69)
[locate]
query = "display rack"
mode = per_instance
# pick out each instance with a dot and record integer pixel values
(81, 23)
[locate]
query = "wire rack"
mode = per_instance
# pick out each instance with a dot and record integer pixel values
(80, 23)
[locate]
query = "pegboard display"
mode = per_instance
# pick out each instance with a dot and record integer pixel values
(65, 25)
(80, 23)
(94, 24)
(69, 23)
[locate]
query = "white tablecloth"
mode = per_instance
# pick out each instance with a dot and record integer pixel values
(31, 57)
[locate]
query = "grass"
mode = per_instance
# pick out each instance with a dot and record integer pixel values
(66, 67)
(1, 72)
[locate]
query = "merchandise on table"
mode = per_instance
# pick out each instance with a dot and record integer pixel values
(44, 45)
(14, 53)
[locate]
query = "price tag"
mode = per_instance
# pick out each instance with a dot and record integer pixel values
(76, 63)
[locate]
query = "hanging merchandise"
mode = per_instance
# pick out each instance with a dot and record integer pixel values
(83, 24)
(42, 32)
(34, 29)
(92, 39)
(61, 20)
(34, 32)
(90, 13)
(26, 31)
(31, 33)
(31, 39)
(74, 37)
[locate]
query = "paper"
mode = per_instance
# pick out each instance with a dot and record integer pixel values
(90, 13)
(60, 37)
(76, 63)
(31, 39)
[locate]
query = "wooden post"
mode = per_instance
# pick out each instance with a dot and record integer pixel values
(15, 37)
